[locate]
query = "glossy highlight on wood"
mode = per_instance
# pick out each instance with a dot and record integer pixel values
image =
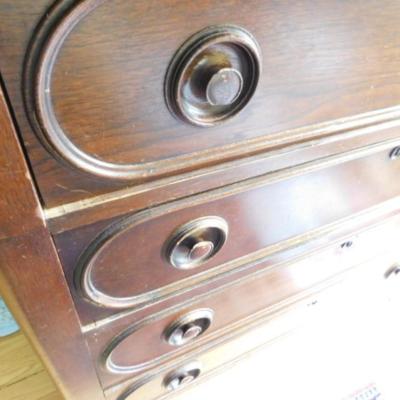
(304, 82)
(113, 271)
(232, 303)
(144, 228)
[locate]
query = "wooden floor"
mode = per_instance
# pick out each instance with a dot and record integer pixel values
(22, 375)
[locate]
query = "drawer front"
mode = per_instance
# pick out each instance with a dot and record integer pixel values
(131, 348)
(355, 286)
(95, 81)
(157, 384)
(159, 252)
(107, 63)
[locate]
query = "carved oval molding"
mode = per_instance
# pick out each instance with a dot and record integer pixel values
(44, 49)
(120, 237)
(118, 231)
(116, 239)
(109, 239)
(41, 58)
(118, 343)
(248, 136)
(42, 55)
(107, 356)
(125, 265)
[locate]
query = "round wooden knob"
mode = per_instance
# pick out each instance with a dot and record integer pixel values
(213, 75)
(182, 376)
(196, 242)
(188, 327)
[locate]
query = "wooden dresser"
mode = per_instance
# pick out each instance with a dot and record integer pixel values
(183, 180)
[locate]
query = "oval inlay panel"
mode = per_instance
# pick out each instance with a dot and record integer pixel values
(126, 265)
(95, 73)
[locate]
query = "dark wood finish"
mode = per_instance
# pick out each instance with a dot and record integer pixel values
(261, 213)
(213, 75)
(123, 202)
(73, 243)
(300, 174)
(129, 348)
(359, 281)
(31, 277)
(108, 79)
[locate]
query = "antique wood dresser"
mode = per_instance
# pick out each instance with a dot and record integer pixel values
(177, 175)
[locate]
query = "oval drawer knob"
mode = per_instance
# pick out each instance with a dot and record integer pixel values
(196, 242)
(188, 327)
(183, 376)
(213, 75)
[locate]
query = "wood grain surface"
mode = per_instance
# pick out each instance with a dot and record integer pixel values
(265, 217)
(18, 361)
(360, 286)
(354, 136)
(31, 278)
(319, 64)
(22, 374)
(96, 173)
(234, 303)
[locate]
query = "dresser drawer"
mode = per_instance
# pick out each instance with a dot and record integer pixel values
(160, 252)
(352, 287)
(97, 73)
(221, 355)
(126, 348)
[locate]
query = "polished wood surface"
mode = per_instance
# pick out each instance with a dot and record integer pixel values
(31, 277)
(73, 243)
(113, 269)
(127, 348)
(233, 302)
(367, 277)
(321, 373)
(136, 117)
(98, 175)
(112, 107)
(280, 161)
(235, 345)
